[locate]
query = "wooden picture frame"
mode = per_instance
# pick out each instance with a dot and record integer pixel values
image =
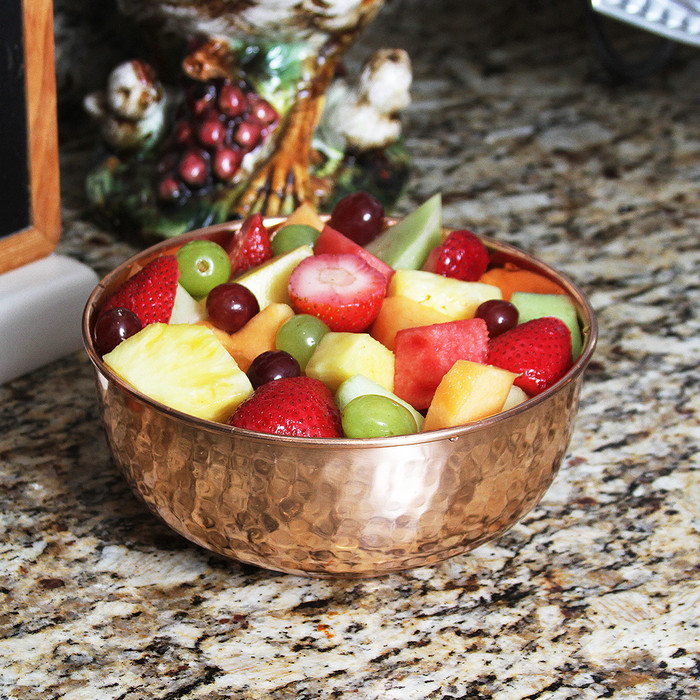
(30, 224)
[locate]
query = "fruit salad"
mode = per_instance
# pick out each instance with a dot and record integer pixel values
(339, 327)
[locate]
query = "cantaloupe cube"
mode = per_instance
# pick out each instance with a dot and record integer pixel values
(454, 298)
(306, 215)
(341, 355)
(510, 278)
(183, 366)
(468, 392)
(399, 312)
(257, 336)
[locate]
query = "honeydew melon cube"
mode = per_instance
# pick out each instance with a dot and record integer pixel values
(183, 366)
(531, 305)
(359, 385)
(407, 243)
(468, 392)
(454, 298)
(269, 281)
(340, 355)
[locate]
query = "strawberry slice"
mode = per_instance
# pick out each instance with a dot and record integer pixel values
(296, 406)
(538, 350)
(150, 293)
(342, 290)
(250, 246)
(462, 256)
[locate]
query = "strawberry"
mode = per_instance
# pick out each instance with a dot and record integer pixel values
(342, 290)
(296, 406)
(462, 255)
(150, 293)
(251, 245)
(538, 350)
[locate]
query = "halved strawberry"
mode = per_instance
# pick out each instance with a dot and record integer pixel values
(150, 293)
(342, 290)
(250, 245)
(538, 350)
(336, 243)
(297, 406)
(462, 256)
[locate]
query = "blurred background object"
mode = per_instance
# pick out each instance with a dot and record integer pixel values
(670, 20)
(229, 100)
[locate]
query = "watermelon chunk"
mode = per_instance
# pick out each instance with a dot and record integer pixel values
(423, 356)
(332, 241)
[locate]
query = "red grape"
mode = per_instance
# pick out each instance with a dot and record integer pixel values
(359, 216)
(201, 98)
(261, 112)
(232, 102)
(193, 167)
(211, 132)
(226, 162)
(113, 326)
(247, 135)
(231, 305)
(500, 316)
(170, 189)
(183, 133)
(271, 365)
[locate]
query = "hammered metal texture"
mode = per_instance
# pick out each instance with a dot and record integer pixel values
(336, 507)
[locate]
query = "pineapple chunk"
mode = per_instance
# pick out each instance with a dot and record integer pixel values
(339, 356)
(269, 280)
(455, 298)
(468, 392)
(182, 366)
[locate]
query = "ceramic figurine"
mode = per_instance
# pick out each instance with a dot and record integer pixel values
(365, 115)
(242, 127)
(131, 110)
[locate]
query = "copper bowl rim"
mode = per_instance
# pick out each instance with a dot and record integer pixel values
(510, 252)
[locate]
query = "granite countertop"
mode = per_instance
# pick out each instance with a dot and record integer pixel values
(594, 594)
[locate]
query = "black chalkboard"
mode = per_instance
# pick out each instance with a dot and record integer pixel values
(15, 212)
(30, 213)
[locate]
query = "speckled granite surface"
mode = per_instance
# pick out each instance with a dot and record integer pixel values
(595, 594)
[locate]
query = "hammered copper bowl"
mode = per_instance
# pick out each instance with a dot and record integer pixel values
(337, 507)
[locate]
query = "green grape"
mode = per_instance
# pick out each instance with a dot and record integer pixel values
(299, 336)
(203, 266)
(292, 236)
(372, 415)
